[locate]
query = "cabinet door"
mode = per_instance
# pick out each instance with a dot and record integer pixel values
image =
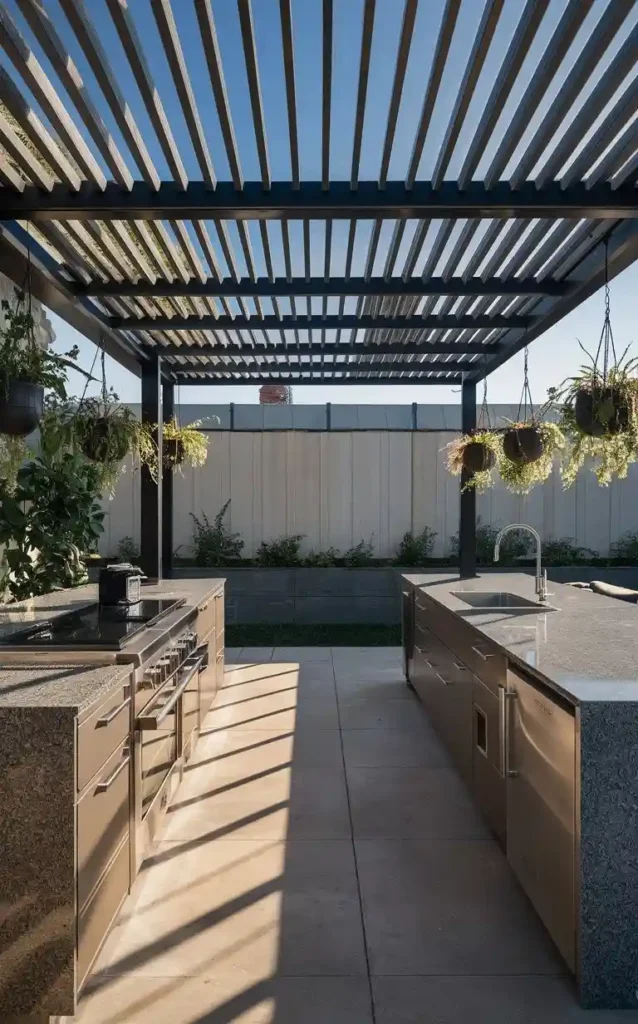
(454, 710)
(488, 773)
(541, 807)
(407, 630)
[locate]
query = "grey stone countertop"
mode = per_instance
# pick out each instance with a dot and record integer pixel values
(78, 686)
(586, 650)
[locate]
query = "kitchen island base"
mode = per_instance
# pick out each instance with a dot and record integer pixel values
(542, 706)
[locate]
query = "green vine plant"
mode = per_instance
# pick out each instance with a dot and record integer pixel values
(21, 358)
(13, 452)
(614, 419)
(181, 445)
(480, 479)
(521, 477)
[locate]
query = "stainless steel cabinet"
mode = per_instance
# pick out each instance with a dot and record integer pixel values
(540, 764)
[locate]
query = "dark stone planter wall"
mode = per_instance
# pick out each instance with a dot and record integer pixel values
(325, 596)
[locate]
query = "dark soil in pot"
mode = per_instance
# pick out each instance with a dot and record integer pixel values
(21, 408)
(601, 412)
(477, 457)
(102, 444)
(523, 445)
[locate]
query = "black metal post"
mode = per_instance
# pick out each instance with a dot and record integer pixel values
(467, 524)
(168, 411)
(151, 491)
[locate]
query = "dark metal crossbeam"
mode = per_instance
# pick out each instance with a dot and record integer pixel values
(261, 366)
(409, 348)
(263, 287)
(304, 322)
(312, 201)
(296, 381)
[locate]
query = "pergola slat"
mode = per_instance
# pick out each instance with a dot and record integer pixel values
(328, 322)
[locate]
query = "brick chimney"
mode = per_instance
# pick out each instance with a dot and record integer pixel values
(275, 394)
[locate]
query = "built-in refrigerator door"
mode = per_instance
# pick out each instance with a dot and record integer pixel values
(540, 766)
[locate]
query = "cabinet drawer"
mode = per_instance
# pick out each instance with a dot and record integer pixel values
(102, 821)
(97, 917)
(102, 732)
(474, 650)
(488, 771)
(205, 619)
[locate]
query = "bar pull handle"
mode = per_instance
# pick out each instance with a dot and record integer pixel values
(110, 779)
(460, 666)
(482, 654)
(502, 737)
(510, 773)
(446, 682)
(154, 720)
(112, 715)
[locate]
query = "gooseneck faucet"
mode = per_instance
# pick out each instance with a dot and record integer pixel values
(541, 577)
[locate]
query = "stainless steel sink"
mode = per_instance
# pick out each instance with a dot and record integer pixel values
(501, 601)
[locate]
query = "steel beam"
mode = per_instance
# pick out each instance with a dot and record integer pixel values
(261, 366)
(304, 322)
(296, 381)
(168, 411)
(467, 521)
(311, 201)
(385, 348)
(151, 504)
(263, 287)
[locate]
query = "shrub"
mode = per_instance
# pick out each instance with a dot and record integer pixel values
(514, 546)
(128, 550)
(359, 555)
(321, 559)
(284, 551)
(563, 551)
(214, 544)
(626, 547)
(414, 549)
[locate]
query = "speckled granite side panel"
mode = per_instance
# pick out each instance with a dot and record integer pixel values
(37, 861)
(609, 855)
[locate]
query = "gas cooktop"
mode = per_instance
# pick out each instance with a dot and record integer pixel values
(94, 628)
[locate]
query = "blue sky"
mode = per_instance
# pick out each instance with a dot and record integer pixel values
(552, 357)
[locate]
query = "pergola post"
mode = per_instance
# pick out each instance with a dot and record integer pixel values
(151, 491)
(467, 524)
(168, 411)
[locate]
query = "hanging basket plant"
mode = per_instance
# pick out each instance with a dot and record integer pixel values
(599, 410)
(477, 453)
(530, 445)
(528, 468)
(26, 369)
(180, 445)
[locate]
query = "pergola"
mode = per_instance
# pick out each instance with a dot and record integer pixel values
(516, 190)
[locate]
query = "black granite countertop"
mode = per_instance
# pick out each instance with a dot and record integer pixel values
(77, 686)
(586, 650)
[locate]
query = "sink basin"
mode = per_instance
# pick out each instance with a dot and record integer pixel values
(501, 601)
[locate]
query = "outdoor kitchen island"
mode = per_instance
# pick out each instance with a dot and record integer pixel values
(538, 707)
(94, 742)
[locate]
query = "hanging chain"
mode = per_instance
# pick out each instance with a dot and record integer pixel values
(526, 394)
(606, 344)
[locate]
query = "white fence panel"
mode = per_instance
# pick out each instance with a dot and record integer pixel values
(340, 487)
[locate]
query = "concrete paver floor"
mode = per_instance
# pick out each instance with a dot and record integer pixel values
(324, 864)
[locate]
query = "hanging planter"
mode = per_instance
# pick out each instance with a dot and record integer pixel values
(26, 369)
(180, 446)
(599, 410)
(523, 443)
(477, 453)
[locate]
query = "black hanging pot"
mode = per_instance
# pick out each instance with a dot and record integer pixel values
(602, 412)
(102, 444)
(523, 445)
(174, 453)
(21, 407)
(477, 457)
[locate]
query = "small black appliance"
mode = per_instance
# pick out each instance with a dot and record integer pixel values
(120, 584)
